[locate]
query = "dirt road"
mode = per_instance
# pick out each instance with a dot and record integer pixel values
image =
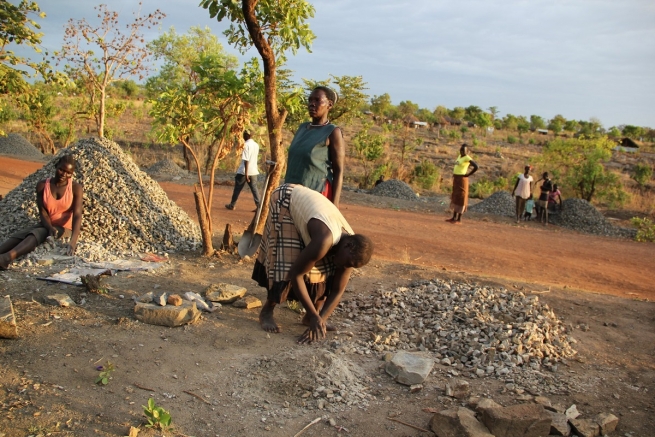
(528, 254)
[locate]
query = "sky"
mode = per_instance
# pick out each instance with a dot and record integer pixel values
(577, 58)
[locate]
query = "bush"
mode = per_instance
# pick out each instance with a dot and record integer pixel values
(642, 173)
(464, 129)
(426, 174)
(512, 139)
(479, 143)
(531, 141)
(454, 135)
(485, 188)
(645, 229)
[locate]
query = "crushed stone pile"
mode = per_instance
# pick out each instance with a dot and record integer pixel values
(499, 203)
(580, 215)
(17, 145)
(394, 188)
(166, 168)
(479, 331)
(125, 211)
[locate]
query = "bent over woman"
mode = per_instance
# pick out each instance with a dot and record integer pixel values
(307, 253)
(459, 199)
(59, 200)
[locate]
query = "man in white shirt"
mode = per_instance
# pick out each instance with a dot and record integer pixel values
(247, 171)
(522, 191)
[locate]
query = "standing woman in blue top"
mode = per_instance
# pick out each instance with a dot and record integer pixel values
(318, 150)
(459, 200)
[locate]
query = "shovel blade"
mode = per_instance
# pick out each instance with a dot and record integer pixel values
(249, 244)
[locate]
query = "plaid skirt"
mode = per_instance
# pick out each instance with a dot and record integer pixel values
(280, 247)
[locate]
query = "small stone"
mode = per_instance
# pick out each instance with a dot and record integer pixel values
(161, 299)
(543, 400)
(607, 422)
(572, 412)
(146, 298)
(247, 302)
(409, 368)
(485, 404)
(332, 422)
(585, 427)
(174, 299)
(168, 315)
(45, 261)
(62, 300)
(415, 388)
(224, 293)
(559, 424)
(321, 404)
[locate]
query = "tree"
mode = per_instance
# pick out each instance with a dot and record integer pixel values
(537, 122)
(556, 124)
(381, 105)
(634, 132)
(407, 107)
(123, 55)
(181, 55)
(580, 164)
(212, 106)
(471, 113)
(457, 113)
(493, 110)
(352, 97)
(273, 27)
(522, 124)
(510, 122)
(571, 126)
(368, 148)
(39, 111)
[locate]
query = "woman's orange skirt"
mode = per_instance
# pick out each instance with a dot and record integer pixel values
(459, 200)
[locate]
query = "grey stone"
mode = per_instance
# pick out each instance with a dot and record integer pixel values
(607, 422)
(572, 412)
(161, 299)
(408, 368)
(224, 293)
(247, 302)
(457, 422)
(168, 315)
(62, 300)
(559, 424)
(458, 388)
(523, 420)
(146, 298)
(585, 427)
(8, 328)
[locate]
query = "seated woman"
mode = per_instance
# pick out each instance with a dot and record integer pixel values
(60, 208)
(307, 253)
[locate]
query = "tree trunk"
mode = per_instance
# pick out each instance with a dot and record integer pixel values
(101, 114)
(205, 225)
(187, 158)
(274, 117)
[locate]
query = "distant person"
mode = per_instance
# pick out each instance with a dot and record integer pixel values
(529, 207)
(555, 198)
(460, 197)
(308, 252)
(522, 191)
(59, 201)
(380, 180)
(317, 152)
(247, 171)
(542, 203)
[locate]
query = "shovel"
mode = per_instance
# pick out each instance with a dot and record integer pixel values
(249, 242)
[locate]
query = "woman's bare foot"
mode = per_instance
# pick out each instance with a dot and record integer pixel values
(305, 321)
(5, 260)
(266, 319)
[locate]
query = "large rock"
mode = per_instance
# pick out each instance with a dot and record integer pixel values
(8, 328)
(408, 368)
(168, 315)
(559, 424)
(458, 388)
(224, 293)
(524, 420)
(607, 422)
(457, 422)
(585, 427)
(485, 404)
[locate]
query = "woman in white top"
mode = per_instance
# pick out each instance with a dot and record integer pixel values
(522, 191)
(307, 253)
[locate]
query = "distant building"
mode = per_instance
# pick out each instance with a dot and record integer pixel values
(542, 131)
(627, 145)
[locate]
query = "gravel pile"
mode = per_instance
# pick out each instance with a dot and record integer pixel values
(580, 215)
(479, 331)
(125, 211)
(394, 188)
(166, 168)
(16, 145)
(499, 203)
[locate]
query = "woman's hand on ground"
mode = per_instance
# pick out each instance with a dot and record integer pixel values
(316, 331)
(70, 249)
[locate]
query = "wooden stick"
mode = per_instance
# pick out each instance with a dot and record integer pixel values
(198, 397)
(142, 387)
(408, 424)
(313, 422)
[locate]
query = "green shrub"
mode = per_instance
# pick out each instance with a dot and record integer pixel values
(158, 418)
(485, 188)
(477, 142)
(642, 173)
(463, 129)
(426, 174)
(531, 141)
(454, 135)
(512, 139)
(645, 229)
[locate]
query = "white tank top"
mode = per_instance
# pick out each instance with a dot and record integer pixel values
(307, 204)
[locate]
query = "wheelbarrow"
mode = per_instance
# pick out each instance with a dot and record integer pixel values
(249, 242)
